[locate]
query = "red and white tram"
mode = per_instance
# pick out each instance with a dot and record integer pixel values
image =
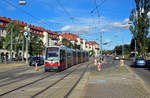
(60, 57)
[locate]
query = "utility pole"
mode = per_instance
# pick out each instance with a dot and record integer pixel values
(27, 50)
(135, 46)
(122, 50)
(101, 47)
(27, 35)
(23, 49)
(11, 44)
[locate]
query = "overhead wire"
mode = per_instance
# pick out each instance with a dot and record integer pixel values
(67, 13)
(27, 13)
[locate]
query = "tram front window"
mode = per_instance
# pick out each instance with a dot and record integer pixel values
(49, 55)
(52, 52)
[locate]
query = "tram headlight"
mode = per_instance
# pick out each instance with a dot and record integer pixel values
(46, 62)
(56, 62)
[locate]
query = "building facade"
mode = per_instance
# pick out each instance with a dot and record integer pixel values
(85, 45)
(48, 37)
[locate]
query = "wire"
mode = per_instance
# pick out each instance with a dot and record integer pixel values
(98, 6)
(67, 13)
(37, 18)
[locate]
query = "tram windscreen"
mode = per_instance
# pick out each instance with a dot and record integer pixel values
(52, 49)
(52, 52)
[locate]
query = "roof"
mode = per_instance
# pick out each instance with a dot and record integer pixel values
(7, 20)
(91, 43)
(69, 36)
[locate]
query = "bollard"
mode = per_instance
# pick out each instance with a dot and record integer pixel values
(99, 66)
(121, 62)
(95, 62)
(36, 67)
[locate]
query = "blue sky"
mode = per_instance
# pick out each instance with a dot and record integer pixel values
(74, 16)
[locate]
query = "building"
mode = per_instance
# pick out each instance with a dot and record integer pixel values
(85, 45)
(48, 37)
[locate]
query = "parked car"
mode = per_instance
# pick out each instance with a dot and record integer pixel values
(140, 62)
(38, 60)
(116, 58)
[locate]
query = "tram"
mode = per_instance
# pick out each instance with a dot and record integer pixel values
(61, 57)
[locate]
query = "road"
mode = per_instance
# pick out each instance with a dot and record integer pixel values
(109, 62)
(143, 73)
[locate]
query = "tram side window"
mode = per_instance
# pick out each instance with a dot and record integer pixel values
(78, 54)
(62, 56)
(83, 54)
(86, 54)
(74, 54)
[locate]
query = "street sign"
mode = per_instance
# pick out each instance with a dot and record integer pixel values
(146, 48)
(25, 33)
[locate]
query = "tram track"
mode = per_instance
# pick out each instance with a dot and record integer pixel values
(12, 91)
(17, 80)
(56, 82)
(26, 84)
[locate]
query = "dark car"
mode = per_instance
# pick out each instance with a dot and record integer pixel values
(38, 60)
(139, 62)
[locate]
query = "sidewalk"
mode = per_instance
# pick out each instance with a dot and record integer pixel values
(115, 82)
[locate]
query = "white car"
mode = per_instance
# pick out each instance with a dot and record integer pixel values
(116, 58)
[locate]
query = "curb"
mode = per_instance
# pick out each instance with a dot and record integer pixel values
(145, 85)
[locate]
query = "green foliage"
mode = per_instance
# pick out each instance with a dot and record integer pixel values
(91, 53)
(36, 46)
(75, 46)
(15, 29)
(141, 24)
(2, 39)
(67, 43)
(119, 49)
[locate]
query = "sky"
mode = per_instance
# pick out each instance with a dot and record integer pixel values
(77, 16)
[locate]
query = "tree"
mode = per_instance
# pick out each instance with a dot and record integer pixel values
(119, 49)
(36, 46)
(2, 39)
(91, 53)
(15, 29)
(140, 20)
(75, 46)
(67, 43)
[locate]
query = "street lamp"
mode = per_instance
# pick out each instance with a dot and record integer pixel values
(27, 36)
(22, 2)
(11, 44)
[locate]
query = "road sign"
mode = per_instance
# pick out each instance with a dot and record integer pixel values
(25, 33)
(146, 48)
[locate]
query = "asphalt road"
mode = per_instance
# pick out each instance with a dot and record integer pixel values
(109, 62)
(143, 73)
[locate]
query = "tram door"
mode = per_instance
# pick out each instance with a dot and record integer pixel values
(63, 58)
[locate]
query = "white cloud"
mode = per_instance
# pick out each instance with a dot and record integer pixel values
(66, 28)
(76, 29)
(119, 25)
(83, 25)
(10, 8)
